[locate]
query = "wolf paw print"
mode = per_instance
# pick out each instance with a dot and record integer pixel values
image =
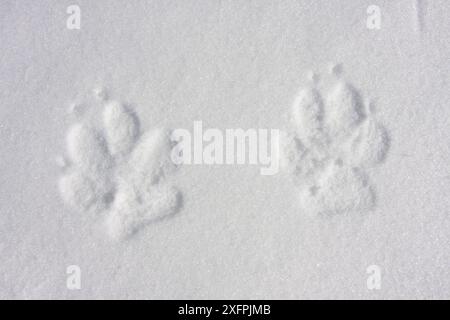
(115, 169)
(333, 141)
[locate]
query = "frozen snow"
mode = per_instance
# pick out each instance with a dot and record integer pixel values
(86, 176)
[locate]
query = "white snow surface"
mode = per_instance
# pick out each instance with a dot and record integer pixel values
(86, 180)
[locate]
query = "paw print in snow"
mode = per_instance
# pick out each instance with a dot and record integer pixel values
(115, 169)
(333, 143)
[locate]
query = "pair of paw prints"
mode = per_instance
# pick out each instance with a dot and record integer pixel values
(334, 139)
(114, 168)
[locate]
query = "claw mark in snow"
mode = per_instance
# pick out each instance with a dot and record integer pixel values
(419, 15)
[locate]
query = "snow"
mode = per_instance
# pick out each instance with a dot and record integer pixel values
(86, 180)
